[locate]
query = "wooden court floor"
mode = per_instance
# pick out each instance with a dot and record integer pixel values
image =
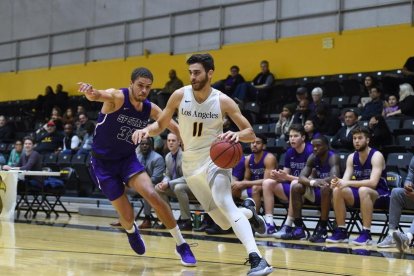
(85, 245)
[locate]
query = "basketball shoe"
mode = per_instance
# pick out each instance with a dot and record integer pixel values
(136, 242)
(256, 221)
(258, 266)
(187, 257)
(270, 231)
(402, 241)
(319, 235)
(339, 235)
(364, 238)
(388, 242)
(298, 233)
(283, 231)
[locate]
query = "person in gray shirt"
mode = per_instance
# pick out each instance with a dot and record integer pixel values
(401, 198)
(174, 185)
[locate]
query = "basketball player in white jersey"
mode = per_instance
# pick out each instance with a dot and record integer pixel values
(201, 110)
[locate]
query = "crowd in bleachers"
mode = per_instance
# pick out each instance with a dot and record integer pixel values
(328, 106)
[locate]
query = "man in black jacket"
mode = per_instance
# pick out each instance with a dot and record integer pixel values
(343, 138)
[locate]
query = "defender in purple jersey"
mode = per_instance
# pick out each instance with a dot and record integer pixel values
(258, 166)
(280, 180)
(363, 185)
(314, 186)
(114, 163)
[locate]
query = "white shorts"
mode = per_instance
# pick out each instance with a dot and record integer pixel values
(201, 179)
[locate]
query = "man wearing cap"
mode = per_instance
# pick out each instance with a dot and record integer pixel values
(51, 141)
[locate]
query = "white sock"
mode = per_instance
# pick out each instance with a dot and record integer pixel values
(410, 237)
(132, 230)
(247, 213)
(289, 221)
(176, 233)
(269, 219)
(243, 231)
(391, 231)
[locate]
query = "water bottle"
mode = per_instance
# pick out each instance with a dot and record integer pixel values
(197, 219)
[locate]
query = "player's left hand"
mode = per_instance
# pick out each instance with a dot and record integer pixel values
(139, 134)
(230, 136)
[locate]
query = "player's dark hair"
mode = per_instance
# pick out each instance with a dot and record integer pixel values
(363, 130)
(262, 137)
(205, 59)
(298, 128)
(322, 138)
(141, 72)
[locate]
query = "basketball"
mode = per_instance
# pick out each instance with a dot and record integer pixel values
(226, 154)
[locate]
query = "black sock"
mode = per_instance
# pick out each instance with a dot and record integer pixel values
(298, 222)
(323, 223)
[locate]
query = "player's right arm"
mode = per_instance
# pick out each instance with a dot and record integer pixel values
(112, 98)
(163, 120)
(306, 171)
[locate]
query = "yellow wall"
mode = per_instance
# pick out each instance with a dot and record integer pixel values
(372, 49)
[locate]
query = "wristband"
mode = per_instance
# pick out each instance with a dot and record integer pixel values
(312, 182)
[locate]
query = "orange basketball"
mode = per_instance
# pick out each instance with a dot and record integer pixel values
(226, 154)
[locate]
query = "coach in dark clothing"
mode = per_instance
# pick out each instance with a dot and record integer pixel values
(343, 138)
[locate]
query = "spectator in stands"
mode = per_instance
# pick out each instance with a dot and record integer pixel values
(285, 121)
(328, 123)
(406, 101)
(62, 97)
(30, 160)
(374, 107)
(369, 188)
(317, 101)
(6, 132)
(86, 144)
(390, 106)
(71, 141)
(68, 117)
(380, 133)
(408, 70)
(302, 112)
(49, 142)
(258, 166)
(343, 138)
(155, 166)
(401, 198)
(280, 180)
(302, 94)
(258, 89)
(314, 186)
(311, 130)
(81, 125)
(229, 84)
(56, 117)
(173, 84)
(15, 153)
(80, 109)
(369, 82)
(174, 185)
(44, 103)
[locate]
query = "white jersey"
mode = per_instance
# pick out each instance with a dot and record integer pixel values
(200, 124)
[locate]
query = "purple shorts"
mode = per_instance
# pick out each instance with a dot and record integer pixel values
(111, 176)
(382, 201)
(286, 189)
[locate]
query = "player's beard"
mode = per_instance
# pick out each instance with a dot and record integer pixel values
(198, 86)
(362, 148)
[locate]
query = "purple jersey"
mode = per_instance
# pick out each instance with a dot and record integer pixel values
(362, 172)
(112, 139)
(323, 170)
(296, 161)
(238, 171)
(257, 169)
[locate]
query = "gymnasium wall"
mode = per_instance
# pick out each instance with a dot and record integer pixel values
(361, 50)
